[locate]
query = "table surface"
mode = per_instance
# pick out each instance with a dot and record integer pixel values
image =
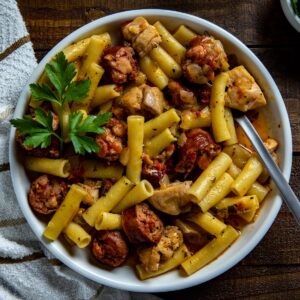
(272, 270)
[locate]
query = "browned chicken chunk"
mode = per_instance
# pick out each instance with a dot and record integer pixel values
(152, 257)
(143, 98)
(47, 193)
(111, 142)
(204, 57)
(173, 198)
(243, 93)
(182, 97)
(119, 64)
(143, 36)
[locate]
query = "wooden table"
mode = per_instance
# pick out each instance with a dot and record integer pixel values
(272, 270)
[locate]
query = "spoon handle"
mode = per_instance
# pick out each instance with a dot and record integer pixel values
(284, 188)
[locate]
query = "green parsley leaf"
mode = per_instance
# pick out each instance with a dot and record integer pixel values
(77, 90)
(37, 132)
(61, 73)
(42, 92)
(78, 126)
(84, 144)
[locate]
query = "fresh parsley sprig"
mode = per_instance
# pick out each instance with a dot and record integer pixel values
(60, 73)
(78, 127)
(38, 131)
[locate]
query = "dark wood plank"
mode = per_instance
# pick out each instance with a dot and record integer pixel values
(254, 22)
(246, 281)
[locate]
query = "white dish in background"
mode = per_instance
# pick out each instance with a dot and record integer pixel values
(124, 277)
(290, 14)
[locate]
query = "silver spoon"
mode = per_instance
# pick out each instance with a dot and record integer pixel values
(283, 186)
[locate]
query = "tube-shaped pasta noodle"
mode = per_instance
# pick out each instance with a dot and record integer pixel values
(179, 256)
(259, 191)
(192, 235)
(124, 156)
(94, 73)
(238, 153)
(135, 133)
(76, 50)
(94, 52)
(96, 169)
(208, 222)
(166, 62)
(245, 207)
(184, 35)
(217, 104)
(157, 144)
(109, 201)
(247, 177)
(192, 119)
(139, 193)
(169, 43)
(231, 128)
(65, 213)
(218, 191)
(103, 94)
(210, 251)
(108, 221)
(153, 72)
(160, 123)
(57, 167)
(242, 204)
(77, 235)
(256, 188)
(106, 107)
(207, 178)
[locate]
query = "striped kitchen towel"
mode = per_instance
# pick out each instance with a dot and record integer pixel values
(27, 270)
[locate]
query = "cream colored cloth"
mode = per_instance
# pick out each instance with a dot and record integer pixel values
(27, 270)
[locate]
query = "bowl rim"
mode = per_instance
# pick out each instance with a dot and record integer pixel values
(191, 280)
(289, 13)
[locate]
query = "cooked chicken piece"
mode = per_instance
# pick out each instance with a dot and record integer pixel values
(143, 97)
(243, 93)
(203, 58)
(153, 100)
(132, 100)
(134, 28)
(152, 257)
(182, 97)
(271, 144)
(172, 199)
(143, 36)
(119, 64)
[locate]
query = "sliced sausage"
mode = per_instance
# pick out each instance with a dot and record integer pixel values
(141, 224)
(110, 247)
(199, 148)
(47, 193)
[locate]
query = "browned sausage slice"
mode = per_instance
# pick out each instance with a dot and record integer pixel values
(47, 193)
(141, 224)
(110, 248)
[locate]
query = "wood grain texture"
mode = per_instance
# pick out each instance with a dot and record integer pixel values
(272, 269)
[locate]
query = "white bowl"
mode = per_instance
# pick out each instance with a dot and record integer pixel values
(290, 14)
(124, 277)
